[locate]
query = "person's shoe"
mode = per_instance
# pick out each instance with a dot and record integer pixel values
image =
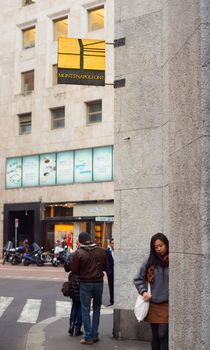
(86, 342)
(78, 332)
(71, 328)
(96, 339)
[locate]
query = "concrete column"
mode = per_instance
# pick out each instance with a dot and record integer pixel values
(189, 163)
(139, 186)
(162, 160)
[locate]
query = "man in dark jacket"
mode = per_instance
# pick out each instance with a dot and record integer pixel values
(89, 262)
(110, 270)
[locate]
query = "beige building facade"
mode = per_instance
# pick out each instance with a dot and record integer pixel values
(50, 130)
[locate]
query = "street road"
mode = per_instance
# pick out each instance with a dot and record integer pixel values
(28, 295)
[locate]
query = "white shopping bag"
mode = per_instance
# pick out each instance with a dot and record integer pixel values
(141, 307)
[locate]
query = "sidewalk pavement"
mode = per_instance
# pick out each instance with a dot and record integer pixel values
(52, 334)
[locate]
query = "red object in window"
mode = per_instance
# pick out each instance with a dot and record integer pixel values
(69, 241)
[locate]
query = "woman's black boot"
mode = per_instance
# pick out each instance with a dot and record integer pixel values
(78, 332)
(71, 328)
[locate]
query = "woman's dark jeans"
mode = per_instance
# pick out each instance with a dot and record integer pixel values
(76, 314)
(159, 336)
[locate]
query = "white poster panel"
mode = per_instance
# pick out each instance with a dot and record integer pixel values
(31, 170)
(65, 167)
(102, 164)
(13, 172)
(83, 165)
(47, 169)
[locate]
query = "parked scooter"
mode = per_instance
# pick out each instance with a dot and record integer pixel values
(33, 257)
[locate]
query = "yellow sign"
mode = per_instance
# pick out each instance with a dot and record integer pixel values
(81, 61)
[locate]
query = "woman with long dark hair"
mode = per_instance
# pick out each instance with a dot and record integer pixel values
(155, 271)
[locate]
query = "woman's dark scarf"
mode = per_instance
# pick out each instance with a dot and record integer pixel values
(150, 271)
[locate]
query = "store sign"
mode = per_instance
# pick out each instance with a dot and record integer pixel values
(81, 61)
(104, 218)
(94, 210)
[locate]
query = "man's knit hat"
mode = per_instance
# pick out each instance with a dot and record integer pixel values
(84, 237)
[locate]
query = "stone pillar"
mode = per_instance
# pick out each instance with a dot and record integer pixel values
(188, 77)
(139, 186)
(162, 160)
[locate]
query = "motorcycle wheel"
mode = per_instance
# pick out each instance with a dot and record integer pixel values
(26, 263)
(39, 262)
(14, 261)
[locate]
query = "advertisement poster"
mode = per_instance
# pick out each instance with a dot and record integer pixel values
(83, 165)
(47, 169)
(65, 167)
(102, 164)
(13, 172)
(31, 171)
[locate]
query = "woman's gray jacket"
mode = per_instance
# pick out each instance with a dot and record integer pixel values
(160, 286)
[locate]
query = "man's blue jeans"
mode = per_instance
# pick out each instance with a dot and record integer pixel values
(90, 291)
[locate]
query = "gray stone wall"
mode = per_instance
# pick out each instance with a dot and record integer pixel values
(162, 160)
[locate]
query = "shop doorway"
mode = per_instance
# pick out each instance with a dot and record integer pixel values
(22, 221)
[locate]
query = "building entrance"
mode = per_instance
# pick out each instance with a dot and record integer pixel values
(22, 221)
(21, 224)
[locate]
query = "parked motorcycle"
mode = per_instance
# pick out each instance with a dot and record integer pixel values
(60, 255)
(47, 257)
(18, 255)
(8, 252)
(33, 257)
(12, 255)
